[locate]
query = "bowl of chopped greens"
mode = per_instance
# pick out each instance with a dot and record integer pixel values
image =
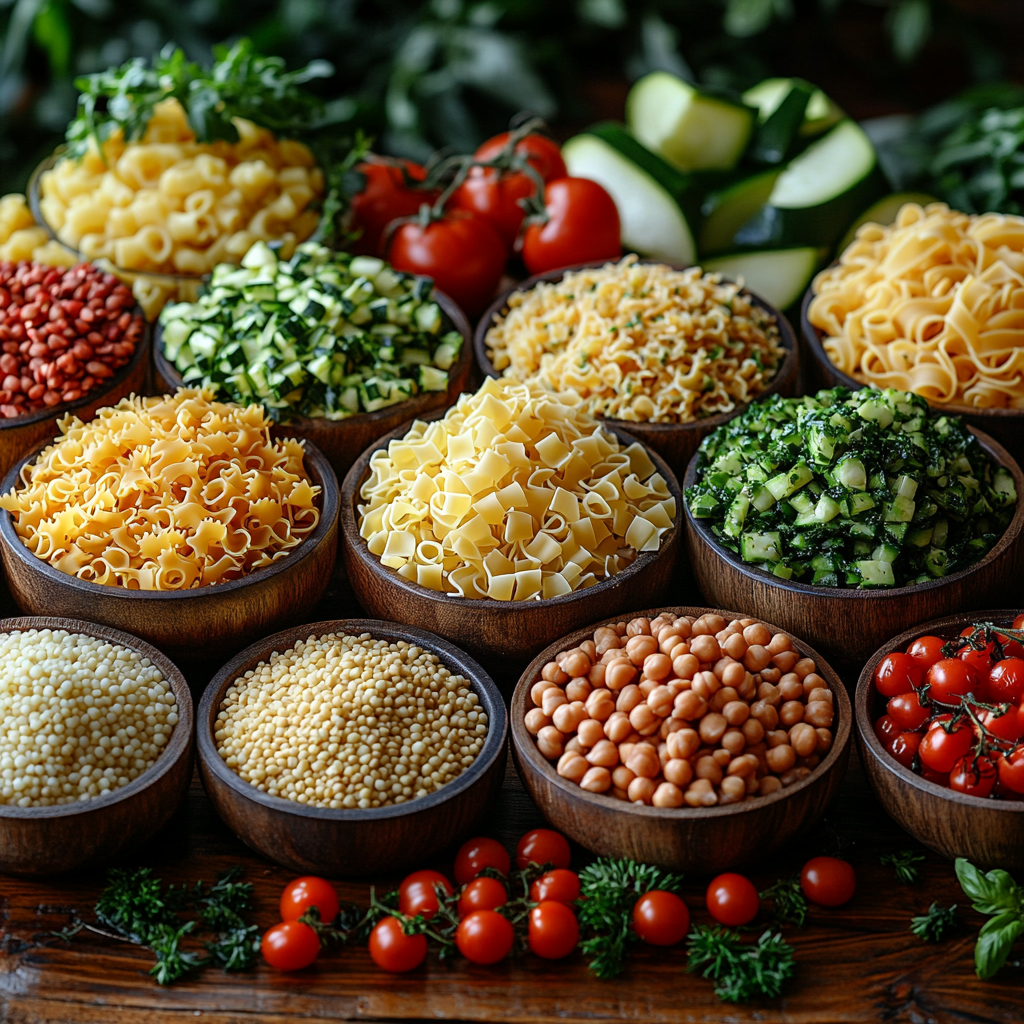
(851, 515)
(338, 349)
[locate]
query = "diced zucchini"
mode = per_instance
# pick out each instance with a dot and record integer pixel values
(432, 379)
(761, 547)
(875, 573)
(784, 484)
(736, 515)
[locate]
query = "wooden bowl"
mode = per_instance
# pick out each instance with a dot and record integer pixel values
(1005, 425)
(509, 631)
(342, 440)
(343, 843)
(987, 832)
(848, 624)
(37, 841)
(674, 442)
(704, 839)
(189, 625)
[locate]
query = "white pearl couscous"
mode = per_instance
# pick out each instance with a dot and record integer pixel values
(79, 717)
(346, 721)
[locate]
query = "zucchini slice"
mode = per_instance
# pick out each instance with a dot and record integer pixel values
(884, 212)
(728, 209)
(692, 130)
(776, 134)
(649, 194)
(820, 114)
(779, 277)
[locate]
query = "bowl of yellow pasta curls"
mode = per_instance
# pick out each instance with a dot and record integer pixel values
(934, 304)
(175, 518)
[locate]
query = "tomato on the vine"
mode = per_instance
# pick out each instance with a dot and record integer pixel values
(897, 673)
(980, 661)
(950, 679)
(886, 729)
(661, 918)
(926, 650)
(476, 854)
(1018, 622)
(732, 899)
(582, 226)
(906, 711)
(560, 884)
(1005, 682)
(941, 749)
(482, 894)
(1011, 770)
(554, 930)
(542, 153)
(1004, 721)
(290, 946)
(494, 195)
(388, 194)
(904, 747)
(416, 894)
(309, 891)
(974, 776)
(393, 950)
(543, 846)
(828, 881)
(931, 775)
(484, 937)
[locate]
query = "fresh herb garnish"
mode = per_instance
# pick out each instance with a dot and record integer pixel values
(905, 864)
(741, 971)
(790, 904)
(999, 897)
(933, 925)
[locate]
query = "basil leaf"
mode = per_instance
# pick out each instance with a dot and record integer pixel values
(992, 893)
(995, 941)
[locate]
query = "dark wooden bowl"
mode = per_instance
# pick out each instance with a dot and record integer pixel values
(342, 440)
(987, 832)
(1005, 425)
(25, 433)
(37, 841)
(848, 624)
(344, 843)
(203, 623)
(509, 631)
(674, 442)
(703, 839)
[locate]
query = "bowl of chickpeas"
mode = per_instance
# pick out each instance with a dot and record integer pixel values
(693, 738)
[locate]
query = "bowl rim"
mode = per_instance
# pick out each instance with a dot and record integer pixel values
(453, 658)
(1009, 537)
(524, 745)
(353, 542)
(408, 408)
(812, 337)
(862, 699)
(314, 460)
(784, 375)
(181, 737)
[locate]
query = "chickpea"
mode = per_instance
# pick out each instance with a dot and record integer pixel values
(699, 627)
(733, 791)
(626, 751)
(744, 765)
(647, 686)
(550, 742)
(644, 720)
(736, 712)
(689, 705)
(735, 646)
(657, 666)
(791, 712)
(779, 644)
(578, 689)
(721, 757)
(681, 648)
(567, 717)
(769, 693)
(714, 623)
(589, 732)
(641, 790)
(678, 772)
(619, 794)
(538, 689)
(803, 739)
(619, 673)
(639, 647)
(757, 658)
(606, 639)
(683, 626)
(600, 704)
(705, 685)
(668, 640)
(628, 698)
(785, 660)
(553, 674)
(753, 731)
(667, 724)
(535, 720)
(622, 777)
(667, 795)
(571, 766)
(706, 649)
(685, 666)
(712, 727)
(659, 700)
(812, 682)
(604, 753)
(573, 744)
(576, 663)
(748, 688)
(589, 648)
(790, 687)
(819, 714)
(824, 744)
(765, 714)
(734, 675)
(595, 677)
(683, 744)
(597, 780)
(804, 667)
(617, 728)
(620, 628)
(768, 785)
(781, 758)
(708, 768)
(795, 775)
(733, 741)
(819, 694)
(770, 675)
(553, 698)
(638, 627)
(757, 635)
(726, 695)
(752, 783)
(700, 793)
(776, 738)
(811, 761)
(644, 761)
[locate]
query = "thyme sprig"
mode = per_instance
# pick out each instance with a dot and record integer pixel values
(741, 971)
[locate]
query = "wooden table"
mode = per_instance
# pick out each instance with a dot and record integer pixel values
(856, 964)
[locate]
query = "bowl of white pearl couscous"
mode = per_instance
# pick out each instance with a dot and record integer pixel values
(345, 747)
(95, 744)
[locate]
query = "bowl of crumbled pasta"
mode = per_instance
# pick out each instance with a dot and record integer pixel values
(513, 519)
(175, 518)
(665, 352)
(395, 746)
(934, 304)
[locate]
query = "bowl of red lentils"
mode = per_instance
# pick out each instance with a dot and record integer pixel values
(688, 737)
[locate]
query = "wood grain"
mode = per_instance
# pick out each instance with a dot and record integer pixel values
(336, 842)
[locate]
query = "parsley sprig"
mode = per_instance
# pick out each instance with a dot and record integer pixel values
(904, 862)
(790, 904)
(741, 971)
(934, 924)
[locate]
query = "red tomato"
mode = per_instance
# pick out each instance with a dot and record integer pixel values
(897, 673)
(1004, 793)
(495, 196)
(582, 226)
(554, 930)
(1011, 770)
(1005, 683)
(543, 846)
(941, 749)
(393, 950)
(476, 854)
(290, 946)
(904, 747)
(980, 661)
(1004, 722)
(906, 711)
(926, 650)
(1018, 622)
(886, 730)
(661, 918)
(482, 894)
(930, 775)
(561, 884)
(416, 893)
(974, 776)
(387, 195)
(484, 937)
(950, 679)
(828, 881)
(732, 899)
(309, 891)
(541, 153)
(461, 252)
(1011, 648)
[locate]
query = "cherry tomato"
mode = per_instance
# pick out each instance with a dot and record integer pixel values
(886, 730)
(1011, 770)
(482, 894)
(543, 846)
(476, 854)
(309, 891)
(582, 226)
(495, 196)
(561, 884)
(461, 252)
(930, 775)
(540, 152)
(661, 918)
(1004, 793)
(1004, 722)
(980, 661)
(926, 650)
(904, 747)
(290, 946)
(387, 195)
(950, 679)
(1011, 648)
(732, 899)
(484, 937)
(554, 930)
(416, 893)
(906, 711)
(897, 673)
(393, 950)
(828, 881)
(1018, 622)
(1005, 683)
(940, 749)
(974, 776)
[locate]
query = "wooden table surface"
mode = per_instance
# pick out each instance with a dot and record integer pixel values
(855, 964)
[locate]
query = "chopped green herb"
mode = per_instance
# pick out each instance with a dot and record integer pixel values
(905, 862)
(932, 926)
(741, 971)
(790, 904)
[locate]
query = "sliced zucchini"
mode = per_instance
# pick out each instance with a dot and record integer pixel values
(728, 209)
(692, 130)
(884, 212)
(820, 114)
(776, 134)
(780, 277)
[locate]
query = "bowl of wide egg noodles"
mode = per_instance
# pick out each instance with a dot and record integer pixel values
(932, 304)
(175, 518)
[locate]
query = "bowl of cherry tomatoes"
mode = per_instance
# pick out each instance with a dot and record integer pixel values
(940, 729)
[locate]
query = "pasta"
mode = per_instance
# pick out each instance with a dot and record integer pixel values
(640, 342)
(933, 304)
(165, 494)
(21, 238)
(517, 494)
